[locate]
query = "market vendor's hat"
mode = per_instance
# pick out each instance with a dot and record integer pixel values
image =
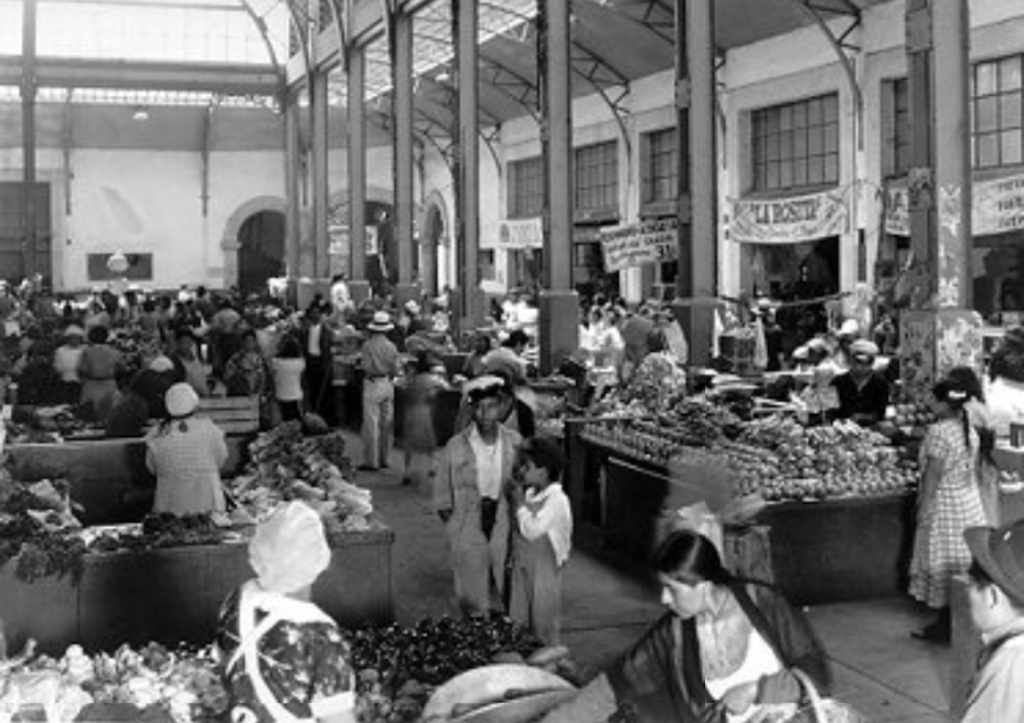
(1000, 553)
(864, 350)
(161, 364)
(74, 330)
(850, 327)
(483, 386)
(181, 400)
(412, 307)
(381, 322)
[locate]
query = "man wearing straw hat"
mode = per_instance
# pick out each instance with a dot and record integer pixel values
(995, 598)
(379, 359)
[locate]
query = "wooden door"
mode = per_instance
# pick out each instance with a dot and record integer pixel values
(15, 258)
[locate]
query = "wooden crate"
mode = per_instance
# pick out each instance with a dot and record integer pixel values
(235, 415)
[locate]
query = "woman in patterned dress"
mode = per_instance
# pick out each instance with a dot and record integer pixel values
(284, 659)
(948, 503)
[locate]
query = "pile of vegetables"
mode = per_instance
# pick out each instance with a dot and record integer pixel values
(157, 531)
(36, 529)
(397, 669)
(128, 685)
(287, 464)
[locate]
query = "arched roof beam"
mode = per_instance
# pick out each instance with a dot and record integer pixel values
(845, 51)
(260, 21)
(301, 23)
(607, 82)
(511, 84)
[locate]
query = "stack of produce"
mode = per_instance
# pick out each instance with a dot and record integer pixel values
(37, 527)
(658, 438)
(911, 418)
(287, 465)
(397, 668)
(782, 460)
(157, 531)
(128, 685)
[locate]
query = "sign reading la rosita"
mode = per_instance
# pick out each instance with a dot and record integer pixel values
(791, 220)
(641, 243)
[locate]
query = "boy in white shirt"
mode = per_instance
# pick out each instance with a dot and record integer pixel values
(542, 541)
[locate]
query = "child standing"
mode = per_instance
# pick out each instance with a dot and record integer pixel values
(541, 547)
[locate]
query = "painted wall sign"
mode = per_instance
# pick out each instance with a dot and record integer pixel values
(637, 244)
(791, 220)
(997, 207)
(520, 233)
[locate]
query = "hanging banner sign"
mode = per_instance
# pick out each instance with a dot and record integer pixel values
(791, 220)
(637, 244)
(997, 207)
(520, 233)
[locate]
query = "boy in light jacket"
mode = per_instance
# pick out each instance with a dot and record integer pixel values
(542, 541)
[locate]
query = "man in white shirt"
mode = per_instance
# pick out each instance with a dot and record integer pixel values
(473, 476)
(995, 598)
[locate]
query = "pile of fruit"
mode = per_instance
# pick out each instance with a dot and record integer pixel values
(782, 460)
(911, 418)
(656, 439)
(159, 531)
(287, 464)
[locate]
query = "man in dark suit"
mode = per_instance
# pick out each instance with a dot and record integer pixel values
(316, 348)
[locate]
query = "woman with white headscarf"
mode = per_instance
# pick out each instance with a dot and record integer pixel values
(186, 452)
(284, 659)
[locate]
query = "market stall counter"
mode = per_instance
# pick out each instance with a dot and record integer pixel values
(108, 477)
(171, 595)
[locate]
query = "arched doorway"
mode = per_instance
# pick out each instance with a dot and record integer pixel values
(260, 250)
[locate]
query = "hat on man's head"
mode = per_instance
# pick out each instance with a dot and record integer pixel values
(412, 307)
(161, 364)
(289, 550)
(864, 350)
(74, 330)
(1000, 553)
(381, 322)
(482, 387)
(801, 353)
(181, 400)
(850, 327)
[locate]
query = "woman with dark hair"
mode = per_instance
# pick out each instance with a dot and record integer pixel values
(949, 501)
(723, 648)
(98, 371)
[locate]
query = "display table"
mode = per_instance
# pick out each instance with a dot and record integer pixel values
(829, 551)
(108, 477)
(172, 595)
(840, 550)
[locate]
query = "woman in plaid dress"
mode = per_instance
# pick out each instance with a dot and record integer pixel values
(949, 502)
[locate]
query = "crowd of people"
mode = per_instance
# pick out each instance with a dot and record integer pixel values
(725, 649)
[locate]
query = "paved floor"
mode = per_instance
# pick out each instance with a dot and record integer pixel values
(877, 666)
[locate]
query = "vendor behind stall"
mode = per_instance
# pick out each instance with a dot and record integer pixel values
(863, 392)
(284, 658)
(186, 453)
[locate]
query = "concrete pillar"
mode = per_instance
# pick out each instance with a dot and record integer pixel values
(559, 307)
(698, 175)
(403, 168)
(321, 191)
(466, 231)
(357, 172)
(28, 136)
(940, 331)
(293, 229)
